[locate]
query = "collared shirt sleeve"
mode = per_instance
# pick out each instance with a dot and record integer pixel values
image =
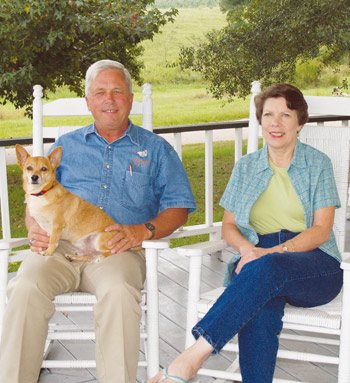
(228, 200)
(174, 187)
(326, 193)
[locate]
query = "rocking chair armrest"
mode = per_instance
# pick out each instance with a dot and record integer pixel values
(345, 265)
(156, 244)
(202, 248)
(12, 243)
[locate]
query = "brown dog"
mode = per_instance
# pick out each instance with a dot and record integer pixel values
(60, 213)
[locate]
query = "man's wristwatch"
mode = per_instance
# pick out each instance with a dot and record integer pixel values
(151, 228)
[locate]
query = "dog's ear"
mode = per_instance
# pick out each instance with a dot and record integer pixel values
(55, 156)
(21, 155)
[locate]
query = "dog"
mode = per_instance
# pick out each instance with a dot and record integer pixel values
(62, 214)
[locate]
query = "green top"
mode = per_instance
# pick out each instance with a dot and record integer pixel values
(278, 207)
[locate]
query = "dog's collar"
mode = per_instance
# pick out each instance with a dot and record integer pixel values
(42, 192)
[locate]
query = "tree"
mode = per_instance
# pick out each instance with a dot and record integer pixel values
(53, 42)
(265, 39)
(231, 5)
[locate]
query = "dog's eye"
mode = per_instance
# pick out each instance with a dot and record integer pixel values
(29, 168)
(43, 169)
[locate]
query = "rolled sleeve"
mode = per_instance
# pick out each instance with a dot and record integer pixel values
(326, 193)
(174, 187)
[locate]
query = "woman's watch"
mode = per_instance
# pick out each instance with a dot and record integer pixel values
(284, 248)
(151, 228)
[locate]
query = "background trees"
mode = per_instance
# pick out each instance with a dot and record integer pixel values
(52, 42)
(265, 39)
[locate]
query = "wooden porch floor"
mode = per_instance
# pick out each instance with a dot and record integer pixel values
(173, 276)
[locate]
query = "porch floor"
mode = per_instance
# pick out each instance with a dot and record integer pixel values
(173, 276)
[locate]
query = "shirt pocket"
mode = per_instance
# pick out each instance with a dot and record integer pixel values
(138, 191)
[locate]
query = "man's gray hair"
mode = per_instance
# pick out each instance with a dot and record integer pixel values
(101, 65)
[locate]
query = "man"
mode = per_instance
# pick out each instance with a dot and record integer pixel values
(137, 178)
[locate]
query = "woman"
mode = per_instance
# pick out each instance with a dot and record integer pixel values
(279, 211)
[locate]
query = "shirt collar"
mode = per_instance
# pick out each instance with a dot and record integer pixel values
(298, 159)
(263, 160)
(130, 132)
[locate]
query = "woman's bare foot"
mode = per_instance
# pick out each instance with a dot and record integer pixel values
(187, 364)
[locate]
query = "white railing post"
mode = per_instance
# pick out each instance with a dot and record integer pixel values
(209, 177)
(238, 143)
(253, 128)
(178, 144)
(147, 107)
(5, 212)
(38, 142)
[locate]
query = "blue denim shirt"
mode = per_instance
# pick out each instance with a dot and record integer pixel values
(311, 174)
(131, 179)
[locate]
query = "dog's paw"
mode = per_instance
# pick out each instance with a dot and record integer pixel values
(47, 253)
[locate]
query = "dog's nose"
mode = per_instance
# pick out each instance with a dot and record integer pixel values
(35, 178)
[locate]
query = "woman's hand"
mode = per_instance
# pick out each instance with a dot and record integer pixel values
(250, 255)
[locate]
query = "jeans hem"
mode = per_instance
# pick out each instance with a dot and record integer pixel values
(199, 332)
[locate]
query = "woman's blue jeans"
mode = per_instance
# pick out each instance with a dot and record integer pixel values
(253, 304)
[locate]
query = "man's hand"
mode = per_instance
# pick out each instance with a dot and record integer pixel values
(127, 236)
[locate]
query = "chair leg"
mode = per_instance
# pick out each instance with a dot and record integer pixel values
(152, 313)
(344, 350)
(3, 283)
(194, 281)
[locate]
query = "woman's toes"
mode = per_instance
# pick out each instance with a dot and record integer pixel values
(156, 378)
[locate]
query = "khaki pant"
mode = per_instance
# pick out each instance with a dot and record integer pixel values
(116, 281)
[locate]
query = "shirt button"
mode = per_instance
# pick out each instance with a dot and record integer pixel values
(109, 147)
(107, 166)
(101, 207)
(105, 186)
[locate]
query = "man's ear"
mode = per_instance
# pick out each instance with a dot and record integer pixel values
(21, 155)
(87, 102)
(55, 157)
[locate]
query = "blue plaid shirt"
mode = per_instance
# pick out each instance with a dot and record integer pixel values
(131, 179)
(311, 174)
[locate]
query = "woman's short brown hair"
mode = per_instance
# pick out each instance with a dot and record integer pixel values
(293, 96)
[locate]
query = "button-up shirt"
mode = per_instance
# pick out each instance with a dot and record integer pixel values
(311, 174)
(131, 179)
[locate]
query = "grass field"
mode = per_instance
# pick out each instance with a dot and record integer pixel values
(180, 97)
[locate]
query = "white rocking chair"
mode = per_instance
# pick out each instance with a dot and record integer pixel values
(328, 325)
(73, 302)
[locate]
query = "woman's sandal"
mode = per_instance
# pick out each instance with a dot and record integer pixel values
(175, 379)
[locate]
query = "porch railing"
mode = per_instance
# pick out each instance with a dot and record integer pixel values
(209, 226)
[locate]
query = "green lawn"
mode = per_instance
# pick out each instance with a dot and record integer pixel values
(180, 97)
